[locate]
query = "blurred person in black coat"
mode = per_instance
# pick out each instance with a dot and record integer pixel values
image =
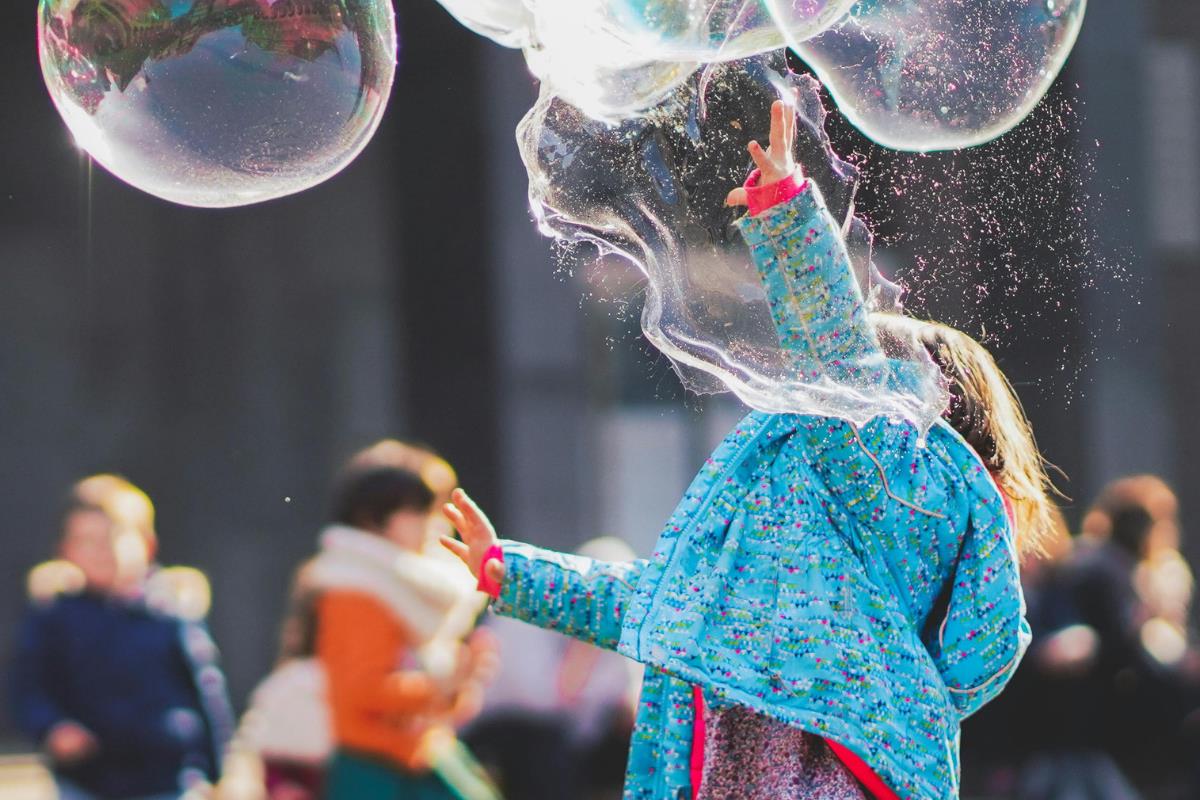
(115, 676)
(1099, 710)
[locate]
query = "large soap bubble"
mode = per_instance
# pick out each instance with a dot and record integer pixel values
(219, 102)
(652, 189)
(940, 74)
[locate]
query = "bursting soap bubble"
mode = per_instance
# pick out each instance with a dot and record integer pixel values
(940, 74)
(651, 190)
(617, 58)
(219, 102)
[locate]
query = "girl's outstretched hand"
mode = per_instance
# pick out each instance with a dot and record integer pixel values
(776, 162)
(478, 535)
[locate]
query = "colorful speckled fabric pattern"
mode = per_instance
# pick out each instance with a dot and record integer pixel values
(571, 595)
(821, 319)
(749, 756)
(815, 301)
(793, 581)
(854, 582)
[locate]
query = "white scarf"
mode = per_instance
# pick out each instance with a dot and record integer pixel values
(434, 597)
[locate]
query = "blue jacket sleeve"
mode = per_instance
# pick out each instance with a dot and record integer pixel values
(983, 635)
(572, 595)
(815, 300)
(33, 705)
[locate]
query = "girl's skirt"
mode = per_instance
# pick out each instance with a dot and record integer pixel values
(748, 756)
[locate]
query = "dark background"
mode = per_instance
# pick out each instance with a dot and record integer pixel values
(227, 360)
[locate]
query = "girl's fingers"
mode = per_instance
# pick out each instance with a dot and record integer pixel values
(456, 518)
(777, 127)
(467, 507)
(761, 159)
(466, 512)
(458, 497)
(789, 130)
(736, 198)
(471, 507)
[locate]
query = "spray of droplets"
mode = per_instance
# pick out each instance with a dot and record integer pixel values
(998, 240)
(647, 106)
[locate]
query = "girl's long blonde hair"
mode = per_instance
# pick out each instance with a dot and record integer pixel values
(985, 410)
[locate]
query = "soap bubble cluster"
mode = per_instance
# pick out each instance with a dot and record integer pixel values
(911, 74)
(219, 102)
(651, 189)
(641, 129)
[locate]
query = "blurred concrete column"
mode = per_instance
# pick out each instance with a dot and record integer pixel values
(1128, 426)
(543, 431)
(1173, 124)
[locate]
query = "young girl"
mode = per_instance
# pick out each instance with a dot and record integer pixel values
(828, 601)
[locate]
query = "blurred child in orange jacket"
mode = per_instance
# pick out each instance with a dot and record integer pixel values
(394, 633)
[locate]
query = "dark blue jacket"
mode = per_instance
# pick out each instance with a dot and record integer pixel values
(145, 683)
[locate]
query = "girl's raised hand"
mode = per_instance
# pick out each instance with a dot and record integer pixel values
(776, 162)
(478, 535)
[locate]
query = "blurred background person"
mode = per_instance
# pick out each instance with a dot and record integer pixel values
(1102, 706)
(286, 738)
(1132, 588)
(114, 674)
(379, 660)
(558, 718)
(1025, 730)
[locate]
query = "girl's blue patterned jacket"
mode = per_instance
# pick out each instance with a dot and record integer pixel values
(857, 582)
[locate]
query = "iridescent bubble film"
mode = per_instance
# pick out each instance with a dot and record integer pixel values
(219, 102)
(651, 190)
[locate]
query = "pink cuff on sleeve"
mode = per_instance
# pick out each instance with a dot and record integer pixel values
(760, 198)
(486, 584)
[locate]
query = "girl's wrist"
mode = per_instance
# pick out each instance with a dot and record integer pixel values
(761, 196)
(487, 584)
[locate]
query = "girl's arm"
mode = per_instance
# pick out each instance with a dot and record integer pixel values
(983, 633)
(573, 595)
(815, 300)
